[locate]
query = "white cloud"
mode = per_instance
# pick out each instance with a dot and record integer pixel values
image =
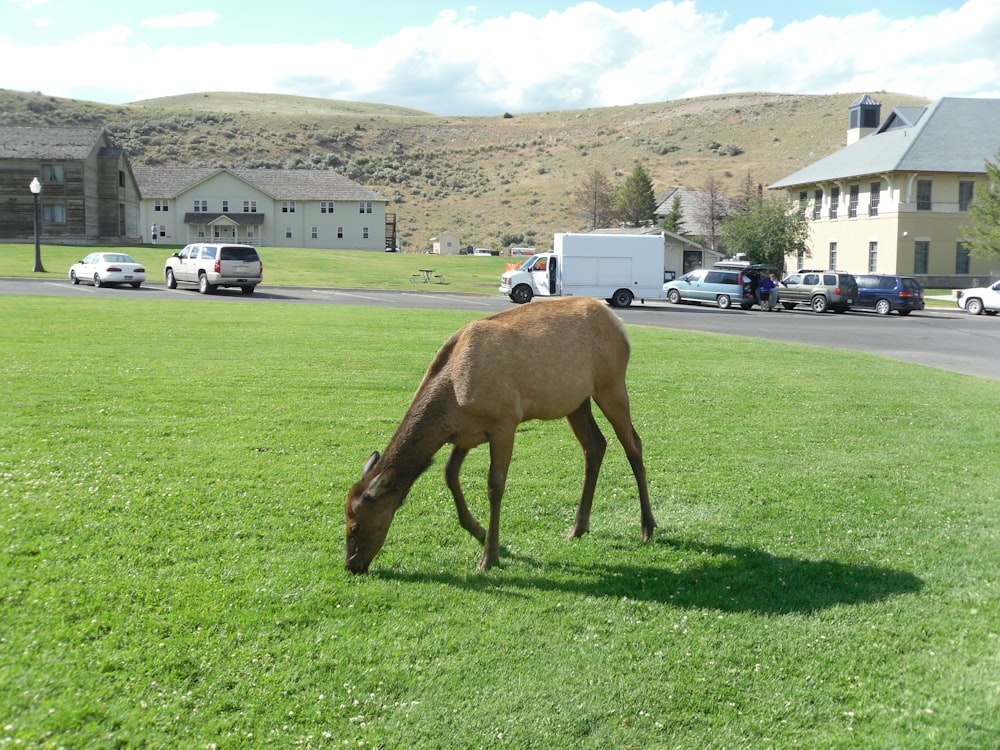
(194, 20)
(585, 56)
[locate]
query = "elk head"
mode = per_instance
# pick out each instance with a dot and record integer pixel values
(370, 507)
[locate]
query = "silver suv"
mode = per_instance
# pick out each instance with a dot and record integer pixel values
(821, 290)
(213, 264)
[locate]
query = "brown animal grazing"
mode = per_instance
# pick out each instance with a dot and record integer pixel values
(539, 361)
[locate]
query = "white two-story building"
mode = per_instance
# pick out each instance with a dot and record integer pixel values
(264, 207)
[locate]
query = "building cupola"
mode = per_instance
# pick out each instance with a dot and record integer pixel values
(864, 115)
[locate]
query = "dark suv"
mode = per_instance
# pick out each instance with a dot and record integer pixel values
(883, 294)
(821, 290)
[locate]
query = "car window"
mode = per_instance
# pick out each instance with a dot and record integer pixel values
(245, 254)
(867, 282)
(811, 279)
(830, 279)
(793, 279)
(186, 252)
(714, 277)
(911, 285)
(848, 280)
(209, 253)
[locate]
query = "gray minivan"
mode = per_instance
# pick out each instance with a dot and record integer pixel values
(723, 286)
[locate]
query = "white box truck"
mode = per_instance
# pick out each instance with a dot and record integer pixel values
(616, 267)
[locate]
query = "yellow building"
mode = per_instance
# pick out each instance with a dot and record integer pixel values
(895, 198)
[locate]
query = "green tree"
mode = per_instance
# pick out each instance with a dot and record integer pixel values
(593, 201)
(674, 221)
(636, 203)
(766, 230)
(982, 233)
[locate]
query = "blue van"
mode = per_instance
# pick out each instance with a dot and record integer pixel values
(883, 294)
(724, 287)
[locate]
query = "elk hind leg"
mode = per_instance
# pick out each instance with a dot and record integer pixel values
(614, 404)
(451, 472)
(594, 446)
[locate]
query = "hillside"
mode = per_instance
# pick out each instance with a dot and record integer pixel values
(477, 176)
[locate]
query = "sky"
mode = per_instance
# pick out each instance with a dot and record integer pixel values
(493, 57)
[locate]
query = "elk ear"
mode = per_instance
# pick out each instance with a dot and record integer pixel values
(372, 460)
(379, 484)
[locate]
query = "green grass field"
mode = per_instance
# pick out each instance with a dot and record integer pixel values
(172, 478)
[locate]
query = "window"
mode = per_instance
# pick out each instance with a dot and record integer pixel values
(364, 233)
(121, 179)
(961, 258)
(249, 207)
(225, 207)
(161, 205)
(923, 195)
(53, 173)
(326, 207)
(833, 256)
(965, 190)
(315, 233)
(834, 200)
(800, 258)
(852, 205)
(54, 213)
(201, 206)
(340, 233)
(365, 207)
(921, 253)
(288, 232)
(288, 207)
(818, 205)
(803, 198)
(872, 257)
(873, 198)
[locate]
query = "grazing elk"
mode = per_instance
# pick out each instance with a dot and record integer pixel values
(541, 361)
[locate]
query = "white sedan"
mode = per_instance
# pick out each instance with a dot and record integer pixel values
(108, 268)
(980, 299)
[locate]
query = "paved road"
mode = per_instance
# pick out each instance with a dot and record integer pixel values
(948, 339)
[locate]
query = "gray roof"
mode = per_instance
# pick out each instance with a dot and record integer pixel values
(280, 184)
(70, 143)
(949, 135)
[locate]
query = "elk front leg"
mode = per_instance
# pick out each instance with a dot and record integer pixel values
(501, 449)
(594, 447)
(451, 471)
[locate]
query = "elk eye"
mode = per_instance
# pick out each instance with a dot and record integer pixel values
(354, 529)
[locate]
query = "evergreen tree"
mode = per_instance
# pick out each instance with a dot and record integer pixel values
(674, 221)
(983, 232)
(636, 202)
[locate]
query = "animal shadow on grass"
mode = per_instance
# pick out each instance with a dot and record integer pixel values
(725, 578)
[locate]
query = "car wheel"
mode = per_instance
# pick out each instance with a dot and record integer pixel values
(882, 307)
(904, 313)
(621, 298)
(674, 297)
(247, 289)
(73, 278)
(724, 301)
(974, 306)
(819, 303)
(136, 284)
(171, 281)
(97, 279)
(990, 312)
(521, 294)
(788, 305)
(203, 286)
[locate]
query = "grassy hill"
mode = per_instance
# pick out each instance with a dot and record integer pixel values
(477, 176)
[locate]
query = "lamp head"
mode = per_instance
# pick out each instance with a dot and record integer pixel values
(35, 186)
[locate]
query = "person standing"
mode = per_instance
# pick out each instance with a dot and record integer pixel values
(769, 292)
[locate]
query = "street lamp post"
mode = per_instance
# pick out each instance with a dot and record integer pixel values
(36, 188)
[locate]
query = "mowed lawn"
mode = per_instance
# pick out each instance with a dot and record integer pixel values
(172, 477)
